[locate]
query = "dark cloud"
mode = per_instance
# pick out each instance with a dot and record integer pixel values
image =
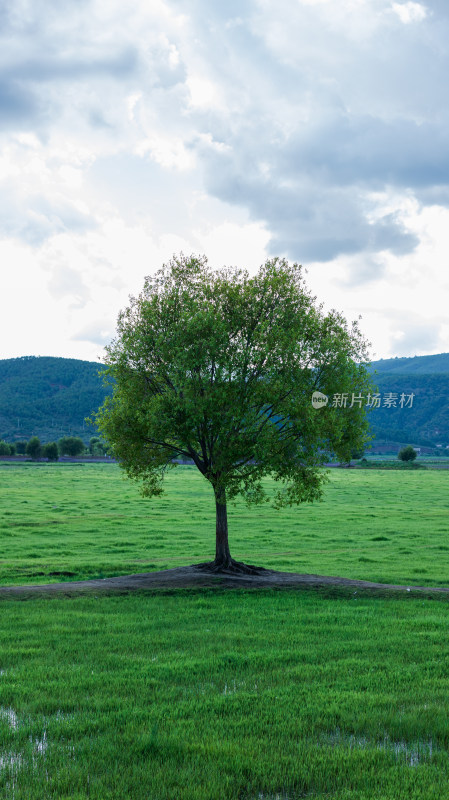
(311, 217)
(311, 186)
(18, 106)
(357, 149)
(74, 68)
(24, 104)
(321, 120)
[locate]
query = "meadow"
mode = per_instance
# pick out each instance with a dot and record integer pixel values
(86, 520)
(214, 694)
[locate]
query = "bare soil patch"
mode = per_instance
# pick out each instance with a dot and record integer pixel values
(196, 576)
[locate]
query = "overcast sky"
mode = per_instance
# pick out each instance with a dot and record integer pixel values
(311, 129)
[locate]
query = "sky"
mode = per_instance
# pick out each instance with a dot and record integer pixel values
(308, 129)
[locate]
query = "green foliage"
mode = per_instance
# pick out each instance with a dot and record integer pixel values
(71, 446)
(97, 447)
(7, 449)
(426, 422)
(21, 446)
(417, 365)
(407, 453)
(220, 367)
(357, 452)
(34, 448)
(50, 451)
(48, 396)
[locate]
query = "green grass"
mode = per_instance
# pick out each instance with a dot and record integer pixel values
(401, 465)
(74, 522)
(215, 695)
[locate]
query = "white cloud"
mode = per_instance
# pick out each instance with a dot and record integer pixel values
(167, 151)
(203, 92)
(410, 12)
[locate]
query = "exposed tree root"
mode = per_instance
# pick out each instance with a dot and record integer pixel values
(231, 567)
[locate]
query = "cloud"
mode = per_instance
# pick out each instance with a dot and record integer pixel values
(66, 281)
(414, 337)
(44, 69)
(226, 95)
(17, 105)
(302, 146)
(316, 130)
(311, 217)
(39, 208)
(97, 333)
(410, 12)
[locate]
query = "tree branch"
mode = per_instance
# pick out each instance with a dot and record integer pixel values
(167, 445)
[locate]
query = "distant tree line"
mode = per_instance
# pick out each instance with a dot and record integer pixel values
(65, 446)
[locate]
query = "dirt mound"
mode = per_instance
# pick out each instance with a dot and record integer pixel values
(194, 577)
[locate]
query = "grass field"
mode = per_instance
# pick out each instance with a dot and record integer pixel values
(80, 521)
(215, 695)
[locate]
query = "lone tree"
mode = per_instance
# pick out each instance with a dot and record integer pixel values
(407, 453)
(220, 367)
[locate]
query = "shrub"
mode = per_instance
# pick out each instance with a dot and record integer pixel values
(97, 447)
(71, 446)
(6, 449)
(21, 446)
(407, 453)
(34, 448)
(50, 451)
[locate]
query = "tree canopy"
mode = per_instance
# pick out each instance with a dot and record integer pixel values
(50, 451)
(219, 366)
(407, 453)
(34, 448)
(71, 446)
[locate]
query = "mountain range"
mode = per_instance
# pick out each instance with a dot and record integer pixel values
(51, 397)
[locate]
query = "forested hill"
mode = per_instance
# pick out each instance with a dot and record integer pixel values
(418, 365)
(426, 422)
(50, 397)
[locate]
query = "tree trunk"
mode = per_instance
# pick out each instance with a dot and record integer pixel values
(222, 554)
(223, 561)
